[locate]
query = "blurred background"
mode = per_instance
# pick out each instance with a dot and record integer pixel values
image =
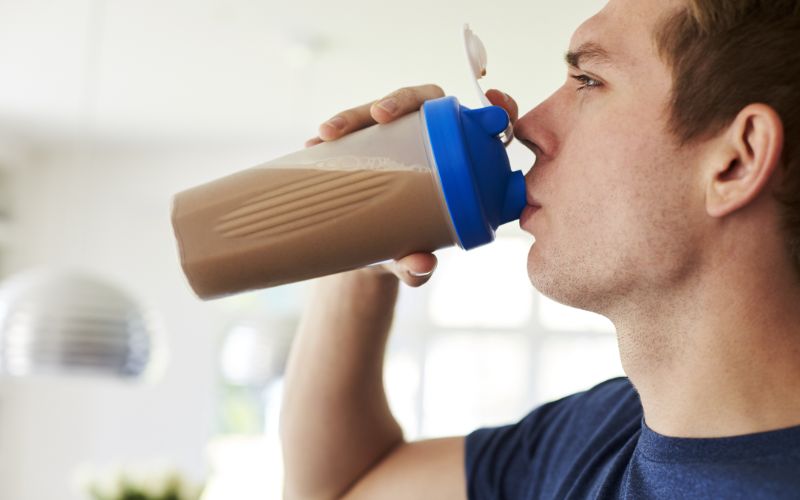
(109, 107)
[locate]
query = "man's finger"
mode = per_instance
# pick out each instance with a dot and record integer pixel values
(346, 122)
(403, 101)
(505, 101)
(415, 269)
(313, 142)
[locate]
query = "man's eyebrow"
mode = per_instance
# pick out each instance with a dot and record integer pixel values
(588, 51)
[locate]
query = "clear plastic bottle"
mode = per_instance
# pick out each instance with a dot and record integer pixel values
(432, 179)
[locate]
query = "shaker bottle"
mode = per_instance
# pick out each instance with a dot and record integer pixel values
(432, 179)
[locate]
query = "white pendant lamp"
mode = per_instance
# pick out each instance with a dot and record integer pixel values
(58, 323)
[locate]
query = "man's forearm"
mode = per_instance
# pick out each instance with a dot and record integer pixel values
(335, 421)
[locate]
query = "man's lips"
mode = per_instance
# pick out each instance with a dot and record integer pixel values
(525, 218)
(531, 207)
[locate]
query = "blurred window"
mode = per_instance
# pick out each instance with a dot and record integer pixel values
(485, 287)
(473, 379)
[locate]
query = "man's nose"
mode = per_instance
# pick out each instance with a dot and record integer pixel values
(537, 129)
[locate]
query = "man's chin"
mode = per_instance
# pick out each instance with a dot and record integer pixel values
(539, 275)
(556, 282)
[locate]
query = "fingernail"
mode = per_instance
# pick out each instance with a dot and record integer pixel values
(506, 97)
(337, 122)
(388, 105)
(419, 275)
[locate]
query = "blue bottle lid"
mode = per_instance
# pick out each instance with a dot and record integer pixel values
(480, 189)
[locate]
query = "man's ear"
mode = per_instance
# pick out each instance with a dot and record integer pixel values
(749, 151)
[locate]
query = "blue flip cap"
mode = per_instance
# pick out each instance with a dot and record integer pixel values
(480, 189)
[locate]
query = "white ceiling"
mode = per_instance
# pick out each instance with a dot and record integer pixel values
(247, 70)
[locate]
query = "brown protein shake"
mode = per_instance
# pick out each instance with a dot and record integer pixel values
(281, 223)
(381, 193)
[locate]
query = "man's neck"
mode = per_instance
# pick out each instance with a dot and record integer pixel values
(722, 359)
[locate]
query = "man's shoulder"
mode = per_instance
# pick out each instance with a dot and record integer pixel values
(616, 393)
(575, 419)
(544, 446)
(609, 404)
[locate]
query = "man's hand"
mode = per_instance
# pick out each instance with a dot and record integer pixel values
(415, 269)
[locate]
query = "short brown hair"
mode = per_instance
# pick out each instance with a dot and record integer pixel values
(726, 54)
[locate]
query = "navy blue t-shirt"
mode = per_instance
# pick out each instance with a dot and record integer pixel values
(595, 444)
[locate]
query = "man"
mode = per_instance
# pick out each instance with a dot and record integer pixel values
(665, 196)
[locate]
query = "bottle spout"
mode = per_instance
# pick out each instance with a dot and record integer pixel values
(515, 198)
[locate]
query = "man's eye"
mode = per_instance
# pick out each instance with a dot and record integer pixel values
(586, 82)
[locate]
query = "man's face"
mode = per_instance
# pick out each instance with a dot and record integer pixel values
(620, 201)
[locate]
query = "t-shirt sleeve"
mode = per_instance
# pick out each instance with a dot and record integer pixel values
(517, 461)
